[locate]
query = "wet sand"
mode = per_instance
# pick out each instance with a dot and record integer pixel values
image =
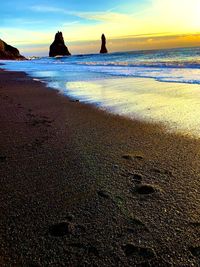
(80, 187)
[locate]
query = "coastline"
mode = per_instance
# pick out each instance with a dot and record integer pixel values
(66, 161)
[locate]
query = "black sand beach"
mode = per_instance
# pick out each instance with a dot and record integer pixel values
(80, 187)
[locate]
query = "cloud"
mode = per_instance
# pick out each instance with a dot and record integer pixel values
(113, 17)
(47, 9)
(162, 15)
(103, 16)
(24, 21)
(69, 23)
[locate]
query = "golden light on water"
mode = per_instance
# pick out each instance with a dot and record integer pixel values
(175, 105)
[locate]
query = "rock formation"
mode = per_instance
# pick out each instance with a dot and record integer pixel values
(9, 52)
(103, 45)
(58, 47)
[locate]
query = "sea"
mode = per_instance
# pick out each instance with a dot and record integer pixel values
(158, 86)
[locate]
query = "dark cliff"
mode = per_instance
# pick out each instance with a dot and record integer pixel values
(58, 47)
(9, 52)
(103, 45)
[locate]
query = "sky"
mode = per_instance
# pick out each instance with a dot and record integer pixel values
(30, 25)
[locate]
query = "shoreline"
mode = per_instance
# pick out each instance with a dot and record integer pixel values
(126, 191)
(143, 99)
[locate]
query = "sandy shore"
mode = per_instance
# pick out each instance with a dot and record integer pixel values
(80, 187)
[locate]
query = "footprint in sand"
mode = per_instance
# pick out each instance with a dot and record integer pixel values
(137, 178)
(138, 253)
(103, 194)
(66, 228)
(3, 158)
(195, 251)
(61, 229)
(134, 155)
(145, 189)
(19, 105)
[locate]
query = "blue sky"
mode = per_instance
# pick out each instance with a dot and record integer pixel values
(46, 15)
(129, 25)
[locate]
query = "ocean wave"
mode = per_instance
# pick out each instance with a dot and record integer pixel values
(172, 64)
(176, 65)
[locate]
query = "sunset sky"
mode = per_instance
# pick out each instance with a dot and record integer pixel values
(31, 25)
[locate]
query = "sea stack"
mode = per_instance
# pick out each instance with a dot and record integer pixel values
(103, 45)
(58, 47)
(9, 52)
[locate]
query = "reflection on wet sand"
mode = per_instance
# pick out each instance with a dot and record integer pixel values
(174, 104)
